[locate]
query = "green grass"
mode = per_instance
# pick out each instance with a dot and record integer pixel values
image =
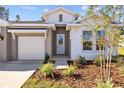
(35, 83)
(121, 50)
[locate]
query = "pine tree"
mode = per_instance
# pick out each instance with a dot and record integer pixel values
(4, 13)
(17, 17)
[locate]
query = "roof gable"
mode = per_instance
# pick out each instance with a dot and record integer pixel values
(60, 8)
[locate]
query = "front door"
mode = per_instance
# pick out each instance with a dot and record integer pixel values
(60, 43)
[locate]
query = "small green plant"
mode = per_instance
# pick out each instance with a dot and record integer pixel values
(47, 69)
(82, 60)
(121, 70)
(79, 61)
(97, 60)
(119, 61)
(70, 71)
(46, 58)
(105, 84)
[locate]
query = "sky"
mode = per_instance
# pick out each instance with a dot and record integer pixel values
(34, 12)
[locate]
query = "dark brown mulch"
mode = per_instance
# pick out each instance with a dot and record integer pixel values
(84, 77)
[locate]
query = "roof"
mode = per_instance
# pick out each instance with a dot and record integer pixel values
(93, 15)
(60, 8)
(86, 17)
(28, 22)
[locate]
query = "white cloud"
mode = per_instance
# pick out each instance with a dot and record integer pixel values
(45, 10)
(84, 7)
(29, 7)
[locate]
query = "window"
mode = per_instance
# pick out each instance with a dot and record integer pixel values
(60, 40)
(60, 18)
(87, 40)
(87, 45)
(99, 34)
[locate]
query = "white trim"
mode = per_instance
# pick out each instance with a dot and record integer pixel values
(26, 31)
(68, 26)
(16, 25)
(86, 17)
(13, 35)
(28, 24)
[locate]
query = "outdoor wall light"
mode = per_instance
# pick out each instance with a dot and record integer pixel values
(1, 37)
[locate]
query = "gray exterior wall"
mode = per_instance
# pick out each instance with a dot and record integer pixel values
(13, 48)
(3, 45)
(48, 42)
(9, 45)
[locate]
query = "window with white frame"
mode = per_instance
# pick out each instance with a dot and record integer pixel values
(87, 40)
(99, 35)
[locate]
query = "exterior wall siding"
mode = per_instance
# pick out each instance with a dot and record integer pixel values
(54, 17)
(13, 49)
(3, 45)
(48, 41)
(77, 46)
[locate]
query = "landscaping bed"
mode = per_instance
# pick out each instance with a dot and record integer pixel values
(84, 77)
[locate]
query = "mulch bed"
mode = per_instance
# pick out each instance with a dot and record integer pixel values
(85, 77)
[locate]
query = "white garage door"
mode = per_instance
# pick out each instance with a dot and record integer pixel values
(31, 47)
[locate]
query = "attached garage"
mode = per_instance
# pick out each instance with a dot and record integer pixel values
(31, 47)
(30, 43)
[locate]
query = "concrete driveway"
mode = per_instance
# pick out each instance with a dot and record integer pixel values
(14, 74)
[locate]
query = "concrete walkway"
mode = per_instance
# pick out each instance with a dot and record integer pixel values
(14, 74)
(61, 62)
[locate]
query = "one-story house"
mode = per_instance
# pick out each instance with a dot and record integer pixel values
(60, 33)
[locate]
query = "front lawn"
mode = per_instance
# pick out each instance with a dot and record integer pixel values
(84, 77)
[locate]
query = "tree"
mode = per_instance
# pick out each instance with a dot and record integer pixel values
(17, 17)
(7, 14)
(4, 13)
(111, 16)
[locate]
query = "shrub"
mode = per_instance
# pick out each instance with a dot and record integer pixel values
(79, 61)
(46, 58)
(106, 84)
(97, 60)
(82, 60)
(114, 58)
(121, 70)
(70, 71)
(47, 69)
(119, 61)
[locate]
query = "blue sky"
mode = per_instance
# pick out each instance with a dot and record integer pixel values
(34, 12)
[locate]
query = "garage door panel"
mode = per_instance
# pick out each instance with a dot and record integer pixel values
(31, 48)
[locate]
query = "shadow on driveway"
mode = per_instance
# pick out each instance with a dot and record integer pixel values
(19, 65)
